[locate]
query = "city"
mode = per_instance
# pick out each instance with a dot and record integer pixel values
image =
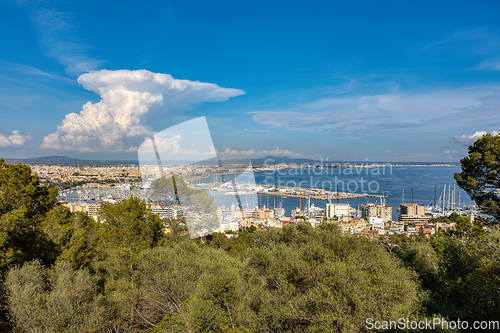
(92, 185)
(249, 166)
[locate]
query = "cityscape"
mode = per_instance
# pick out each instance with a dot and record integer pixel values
(84, 188)
(249, 166)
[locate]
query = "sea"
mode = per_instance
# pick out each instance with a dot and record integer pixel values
(423, 185)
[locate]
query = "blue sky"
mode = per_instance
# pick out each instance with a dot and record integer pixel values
(343, 80)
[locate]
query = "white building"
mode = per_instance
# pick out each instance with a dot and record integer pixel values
(174, 212)
(337, 209)
(375, 221)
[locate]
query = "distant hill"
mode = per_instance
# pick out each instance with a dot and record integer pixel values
(268, 160)
(69, 161)
(64, 161)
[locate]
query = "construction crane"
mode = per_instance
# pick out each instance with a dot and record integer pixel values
(176, 201)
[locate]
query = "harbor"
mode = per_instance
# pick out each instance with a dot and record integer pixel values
(313, 193)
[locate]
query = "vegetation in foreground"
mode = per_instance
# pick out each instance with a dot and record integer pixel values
(64, 272)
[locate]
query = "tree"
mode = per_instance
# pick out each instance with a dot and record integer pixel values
(480, 176)
(23, 205)
(75, 236)
(127, 228)
(199, 209)
(59, 300)
(316, 280)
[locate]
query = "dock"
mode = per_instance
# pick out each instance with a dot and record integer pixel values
(313, 193)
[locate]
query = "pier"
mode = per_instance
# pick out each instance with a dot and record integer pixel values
(313, 193)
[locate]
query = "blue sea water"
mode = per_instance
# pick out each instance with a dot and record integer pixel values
(389, 180)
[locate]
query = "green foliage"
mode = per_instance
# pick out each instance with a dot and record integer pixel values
(458, 270)
(276, 284)
(127, 228)
(422, 258)
(298, 278)
(192, 200)
(61, 300)
(217, 302)
(463, 228)
(168, 276)
(480, 176)
(318, 280)
(23, 205)
(75, 236)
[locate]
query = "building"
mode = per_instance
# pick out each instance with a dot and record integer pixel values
(380, 210)
(337, 209)
(175, 212)
(94, 209)
(74, 206)
(159, 209)
(413, 219)
(411, 209)
(261, 213)
(297, 213)
(375, 222)
(274, 223)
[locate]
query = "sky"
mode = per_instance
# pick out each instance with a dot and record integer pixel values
(396, 81)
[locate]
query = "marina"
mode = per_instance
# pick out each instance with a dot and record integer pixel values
(430, 186)
(313, 193)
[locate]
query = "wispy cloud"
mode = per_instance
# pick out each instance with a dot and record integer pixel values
(30, 72)
(395, 111)
(478, 40)
(126, 96)
(15, 139)
(489, 64)
(317, 121)
(481, 115)
(58, 36)
(480, 43)
(260, 153)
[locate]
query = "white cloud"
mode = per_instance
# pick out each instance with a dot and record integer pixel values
(395, 111)
(32, 72)
(168, 146)
(57, 35)
(403, 113)
(470, 139)
(261, 153)
(15, 139)
(126, 96)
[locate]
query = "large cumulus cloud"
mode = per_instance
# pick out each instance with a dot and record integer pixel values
(126, 96)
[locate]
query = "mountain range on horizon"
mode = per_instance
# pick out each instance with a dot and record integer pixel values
(269, 160)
